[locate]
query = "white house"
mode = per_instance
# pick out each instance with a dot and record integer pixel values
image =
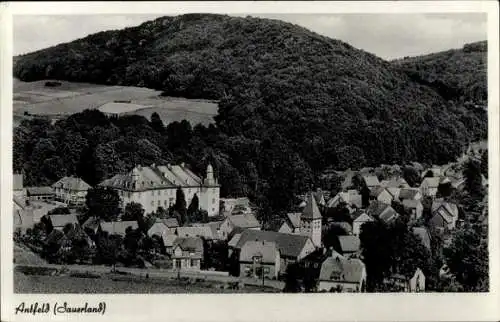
(359, 218)
(156, 186)
(341, 274)
(70, 190)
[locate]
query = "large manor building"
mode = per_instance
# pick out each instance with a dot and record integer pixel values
(156, 185)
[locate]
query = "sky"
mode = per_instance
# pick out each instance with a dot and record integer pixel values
(386, 35)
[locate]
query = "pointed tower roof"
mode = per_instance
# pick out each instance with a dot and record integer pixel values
(311, 211)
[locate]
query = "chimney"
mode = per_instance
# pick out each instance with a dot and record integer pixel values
(182, 165)
(153, 165)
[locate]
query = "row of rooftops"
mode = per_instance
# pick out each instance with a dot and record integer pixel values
(66, 183)
(143, 178)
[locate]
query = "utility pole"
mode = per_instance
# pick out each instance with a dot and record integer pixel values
(262, 271)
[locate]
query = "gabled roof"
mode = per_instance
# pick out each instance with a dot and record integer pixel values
(190, 244)
(377, 191)
(201, 231)
(118, 227)
(376, 208)
(389, 215)
(19, 202)
(395, 183)
(17, 182)
(349, 244)
(171, 222)
(234, 241)
(319, 197)
(361, 216)
(431, 182)
(394, 192)
(244, 221)
(91, 223)
(288, 244)
(72, 183)
(62, 220)
(311, 211)
(348, 270)
(448, 210)
(411, 204)
(268, 251)
(371, 181)
(294, 219)
(408, 193)
(424, 235)
(38, 191)
(233, 202)
(351, 197)
(154, 177)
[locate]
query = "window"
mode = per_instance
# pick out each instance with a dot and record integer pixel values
(159, 203)
(159, 191)
(152, 193)
(152, 203)
(165, 203)
(193, 262)
(213, 200)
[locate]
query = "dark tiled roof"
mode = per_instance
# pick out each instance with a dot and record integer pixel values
(266, 250)
(72, 183)
(408, 193)
(38, 191)
(311, 211)
(118, 227)
(349, 243)
(190, 244)
(288, 244)
(62, 220)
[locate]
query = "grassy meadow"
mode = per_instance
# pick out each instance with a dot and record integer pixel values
(35, 98)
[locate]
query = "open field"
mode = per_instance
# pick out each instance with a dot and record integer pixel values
(110, 284)
(37, 99)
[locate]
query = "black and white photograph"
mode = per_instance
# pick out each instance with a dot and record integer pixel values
(216, 153)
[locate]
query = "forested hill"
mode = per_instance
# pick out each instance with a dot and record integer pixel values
(459, 74)
(291, 102)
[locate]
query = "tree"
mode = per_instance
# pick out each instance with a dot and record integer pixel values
(157, 123)
(292, 283)
(484, 163)
(429, 174)
(194, 207)
(133, 211)
(467, 258)
(411, 175)
(180, 206)
(473, 180)
(445, 189)
(103, 202)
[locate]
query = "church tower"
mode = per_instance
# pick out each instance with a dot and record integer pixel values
(210, 193)
(310, 221)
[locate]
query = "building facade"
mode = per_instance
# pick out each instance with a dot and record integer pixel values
(70, 190)
(156, 186)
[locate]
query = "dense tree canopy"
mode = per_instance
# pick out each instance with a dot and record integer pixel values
(291, 104)
(103, 203)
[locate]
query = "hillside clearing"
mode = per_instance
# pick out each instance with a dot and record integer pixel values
(35, 98)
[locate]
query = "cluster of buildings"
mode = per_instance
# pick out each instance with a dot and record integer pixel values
(232, 221)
